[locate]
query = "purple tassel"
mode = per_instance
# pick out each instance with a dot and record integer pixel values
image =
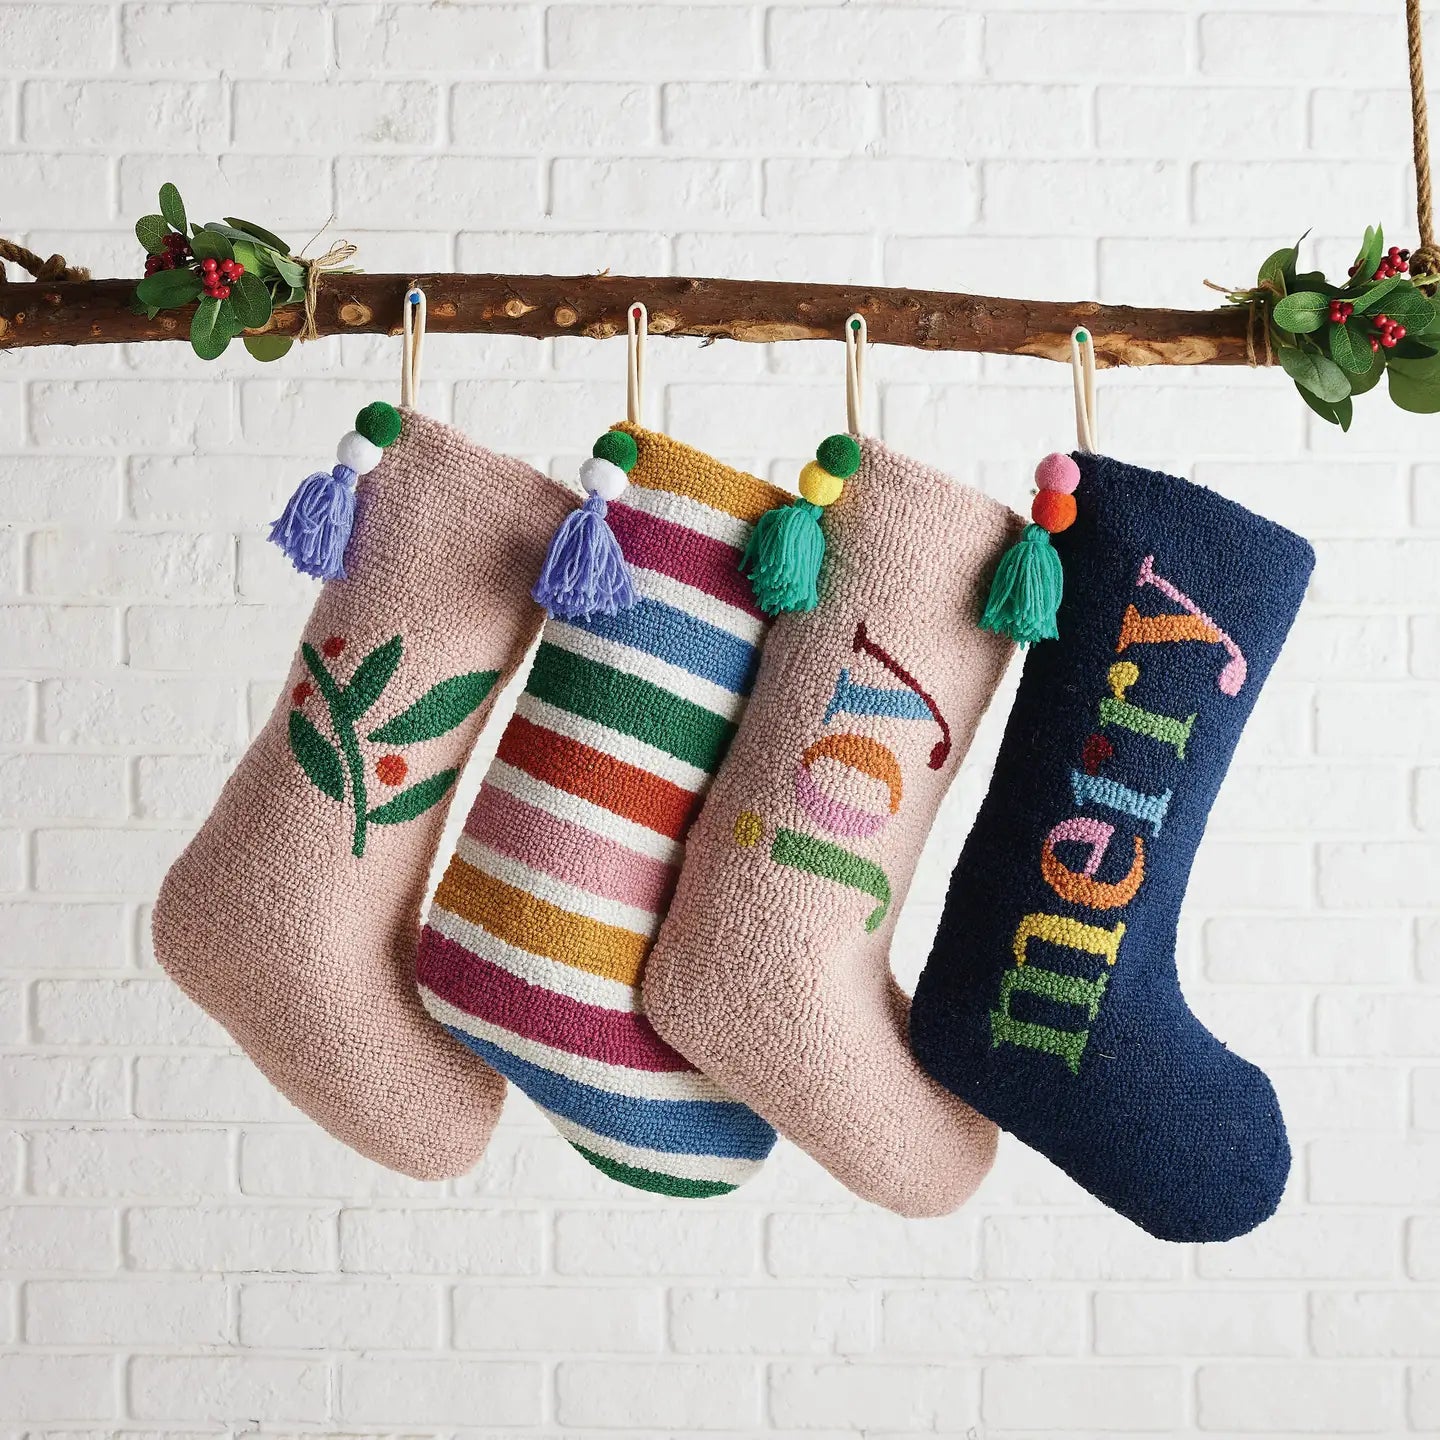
(585, 571)
(315, 528)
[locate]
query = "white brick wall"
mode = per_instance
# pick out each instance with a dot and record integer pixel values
(180, 1254)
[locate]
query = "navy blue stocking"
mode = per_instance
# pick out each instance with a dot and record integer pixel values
(1050, 1002)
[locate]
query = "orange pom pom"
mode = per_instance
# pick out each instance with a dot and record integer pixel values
(1053, 510)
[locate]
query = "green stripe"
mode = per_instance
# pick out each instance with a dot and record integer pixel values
(653, 1180)
(630, 705)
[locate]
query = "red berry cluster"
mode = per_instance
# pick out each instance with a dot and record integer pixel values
(219, 276)
(1392, 332)
(1395, 261)
(177, 251)
(1340, 311)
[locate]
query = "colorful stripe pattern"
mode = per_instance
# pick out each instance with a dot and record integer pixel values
(537, 938)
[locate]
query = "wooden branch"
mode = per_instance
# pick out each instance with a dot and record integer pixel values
(97, 313)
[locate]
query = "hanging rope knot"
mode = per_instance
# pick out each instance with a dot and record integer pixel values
(51, 271)
(333, 259)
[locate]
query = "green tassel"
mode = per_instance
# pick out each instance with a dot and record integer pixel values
(783, 557)
(1026, 591)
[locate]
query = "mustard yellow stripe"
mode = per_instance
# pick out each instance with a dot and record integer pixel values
(666, 464)
(523, 920)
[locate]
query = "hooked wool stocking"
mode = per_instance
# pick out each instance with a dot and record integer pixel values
(1051, 1001)
(293, 915)
(538, 935)
(772, 970)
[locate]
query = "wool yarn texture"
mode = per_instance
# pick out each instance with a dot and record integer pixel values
(538, 936)
(1051, 1001)
(293, 916)
(772, 971)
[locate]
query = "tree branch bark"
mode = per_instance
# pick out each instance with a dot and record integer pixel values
(97, 313)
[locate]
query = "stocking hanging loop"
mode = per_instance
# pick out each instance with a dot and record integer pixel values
(1082, 369)
(856, 336)
(637, 327)
(413, 323)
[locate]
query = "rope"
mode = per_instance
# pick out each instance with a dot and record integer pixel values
(1426, 259)
(332, 259)
(46, 271)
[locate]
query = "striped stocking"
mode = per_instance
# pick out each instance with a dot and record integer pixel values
(537, 938)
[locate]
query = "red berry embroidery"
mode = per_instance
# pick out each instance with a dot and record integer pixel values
(333, 646)
(301, 693)
(391, 769)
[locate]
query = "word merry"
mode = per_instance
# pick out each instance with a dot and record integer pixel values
(1081, 887)
(863, 755)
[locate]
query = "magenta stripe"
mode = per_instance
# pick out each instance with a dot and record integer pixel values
(568, 851)
(684, 554)
(489, 992)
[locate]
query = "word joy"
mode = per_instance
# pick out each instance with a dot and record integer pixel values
(1090, 788)
(861, 753)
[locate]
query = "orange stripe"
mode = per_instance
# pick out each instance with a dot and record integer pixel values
(529, 923)
(666, 464)
(614, 785)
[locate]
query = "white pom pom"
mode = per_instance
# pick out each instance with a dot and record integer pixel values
(360, 454)
(602, 478)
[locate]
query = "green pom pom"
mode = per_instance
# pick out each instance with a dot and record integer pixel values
(839, 455)
(783, 557)
(618, 447)
(379, 423)
(1026, 591)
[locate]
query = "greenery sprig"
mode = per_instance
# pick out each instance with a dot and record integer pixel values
(1336, 341)
(238, 271)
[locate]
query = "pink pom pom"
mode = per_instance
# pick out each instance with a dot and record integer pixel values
(1057, 472)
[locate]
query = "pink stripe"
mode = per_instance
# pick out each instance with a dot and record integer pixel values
(569, 852)
(683, 554)
(489, 992)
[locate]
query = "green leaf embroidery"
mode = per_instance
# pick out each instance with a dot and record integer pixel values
(207, 245)
(268, 347)
(317, 757)
(415, 800)
(1338, 414)
(166, 289)
(150, 231)
(1302, 312)
(1316, 372)
(251, 301)
(439, 710)
(1350, 347)
(172, 207)
(209, 330)
(265, 237)
(371, 676)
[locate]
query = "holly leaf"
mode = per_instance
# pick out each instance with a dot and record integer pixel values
(1350, 347)
(317, 756)
(1415, 386)
(150, 231)
(371, 676)
(265, 237)
(268, 347)
(210, 330)
(1339, 413)
(1317, 373)
(251, 301)
(1302, 312)
(439, 710)
(166, 289)
(415, 800)
(207, 245)
(172, 207)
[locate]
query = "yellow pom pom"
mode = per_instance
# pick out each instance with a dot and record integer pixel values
(819, 486)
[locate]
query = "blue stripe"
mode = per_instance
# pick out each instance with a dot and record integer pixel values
(682, 640)
(679, 1127)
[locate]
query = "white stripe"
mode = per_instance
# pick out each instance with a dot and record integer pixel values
(570, 898)
(612, 742)
(653, 585)
(553, 975)
(720, 1168)
(619, 656)
(692, 514)
(565, 806)
(617, 1079)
